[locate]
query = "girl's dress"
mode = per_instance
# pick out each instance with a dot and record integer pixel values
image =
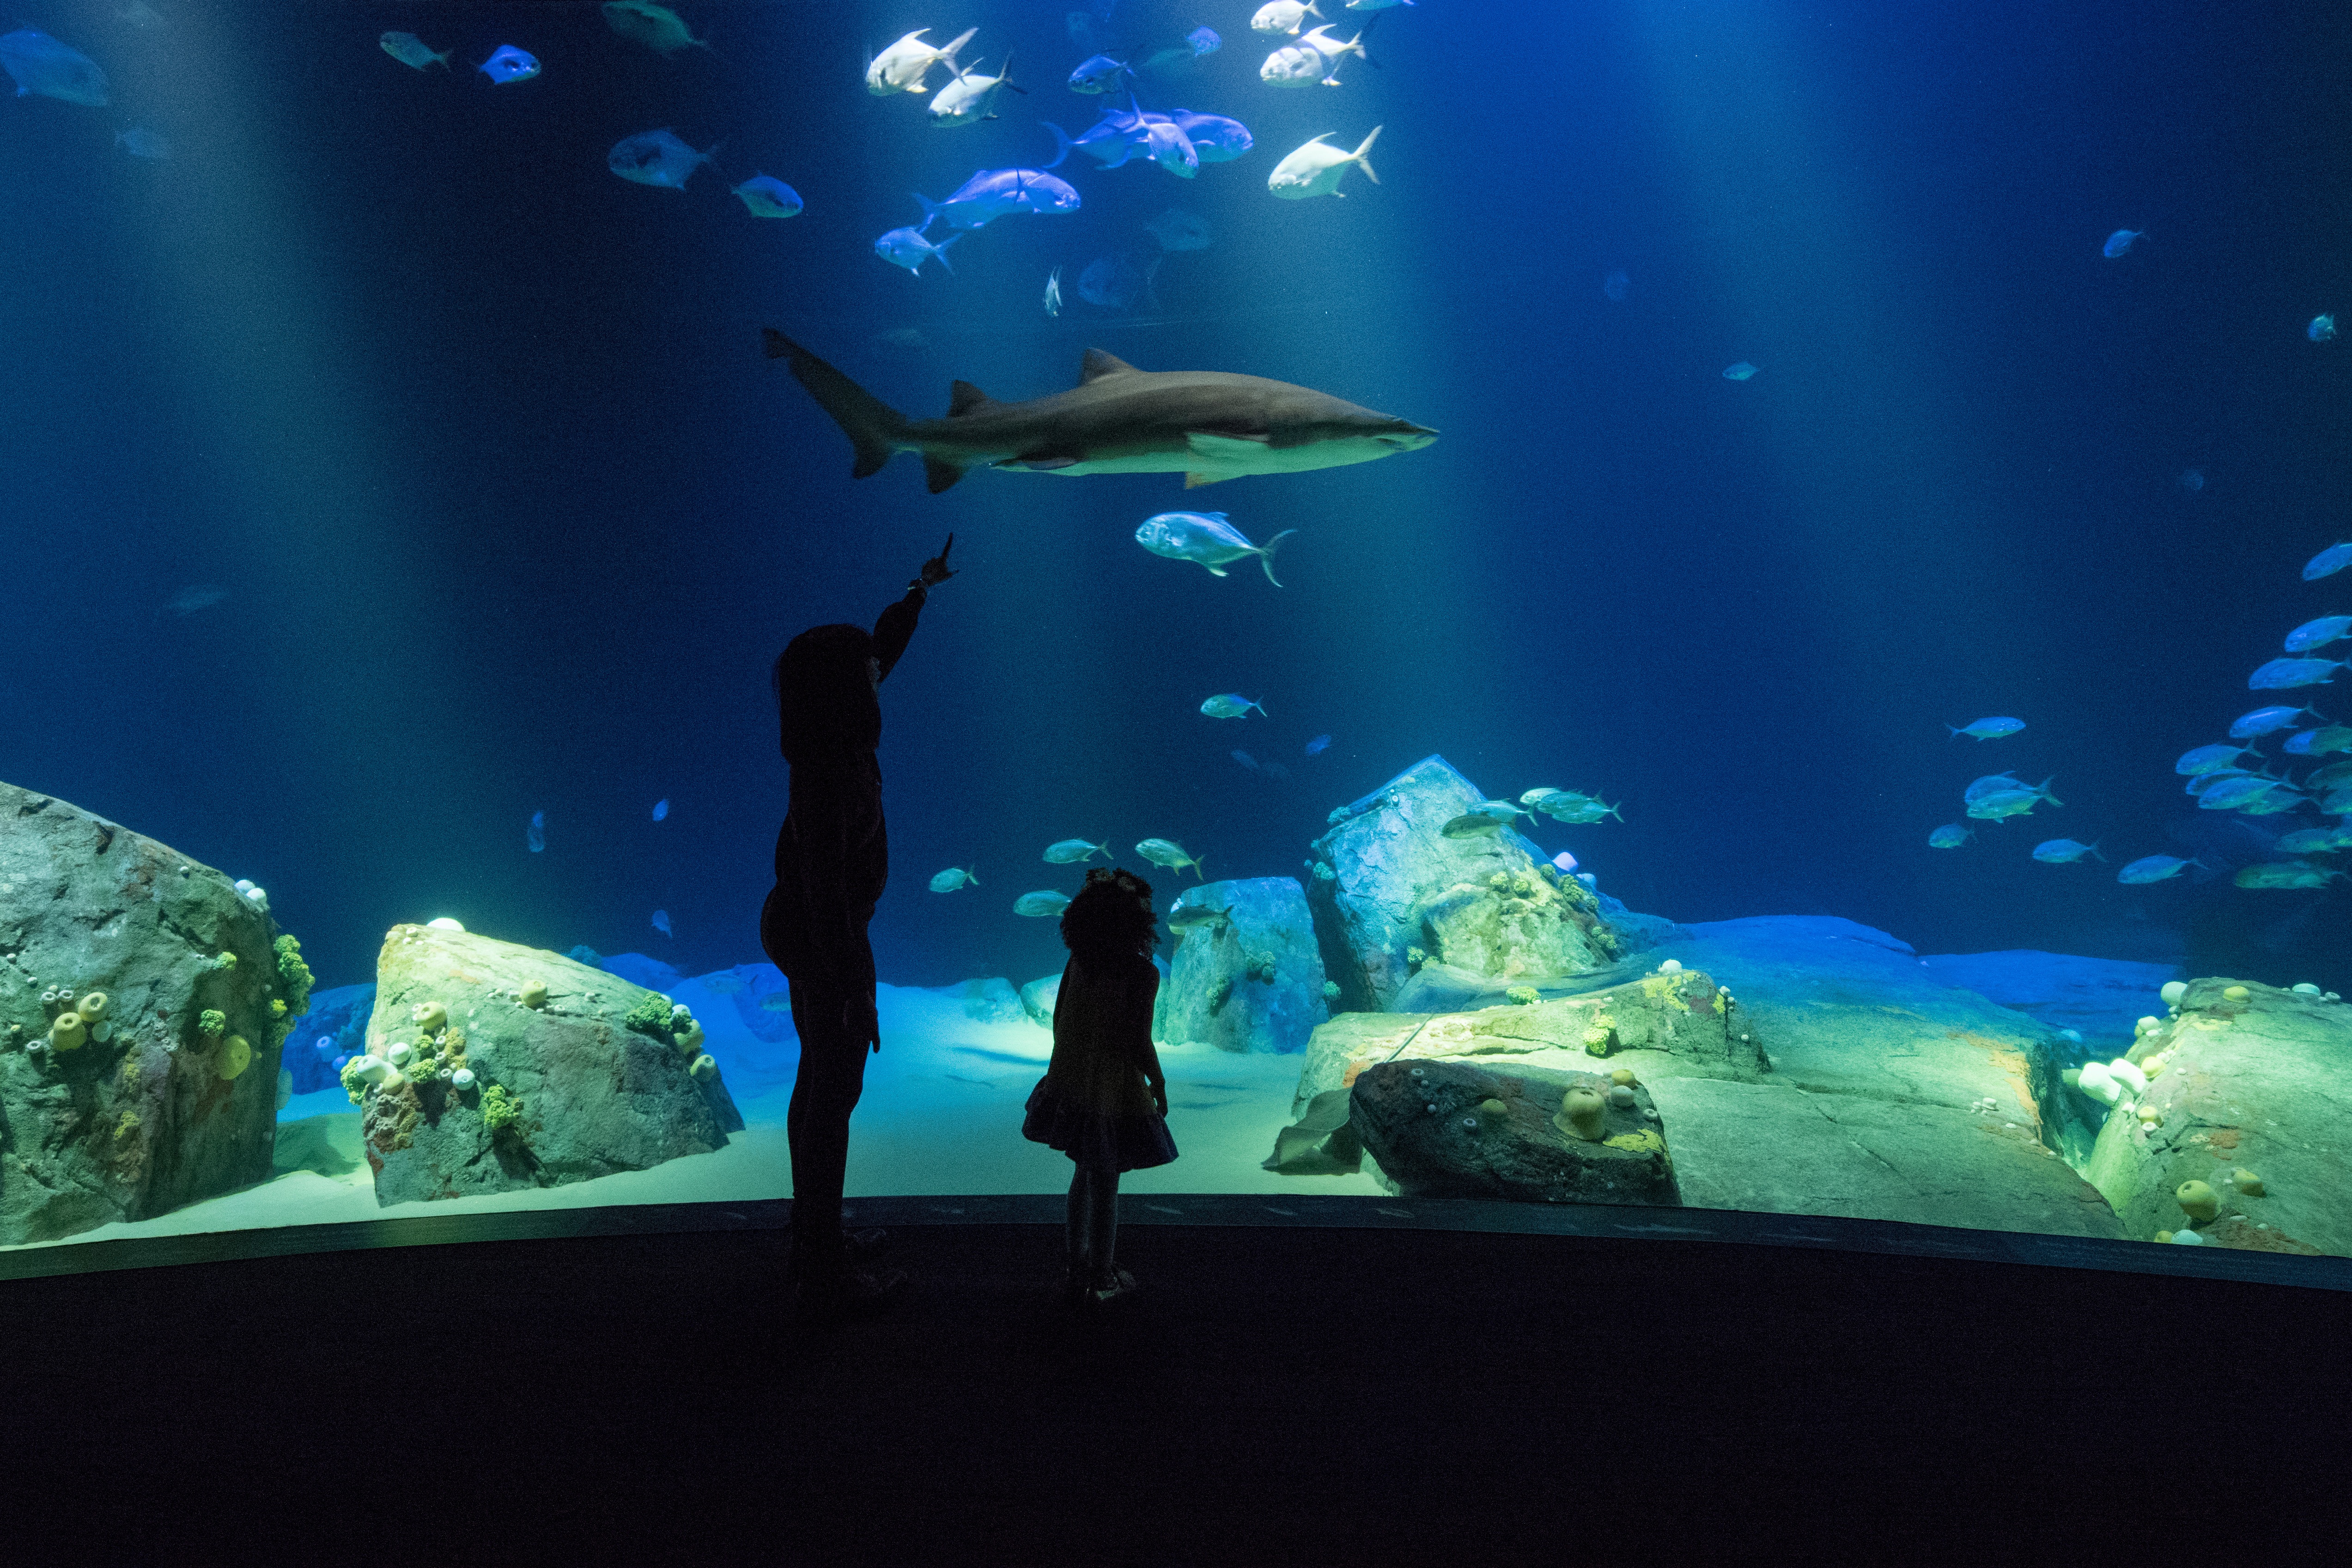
(1095, 1102)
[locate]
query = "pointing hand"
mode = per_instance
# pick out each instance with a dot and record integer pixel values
(936, 570)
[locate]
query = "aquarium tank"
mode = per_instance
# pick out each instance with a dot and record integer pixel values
(1704, 604)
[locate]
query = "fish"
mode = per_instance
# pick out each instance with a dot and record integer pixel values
(2154, 868)
(1469, 824)
(1536, 797)
(1246, 760)
(1210, 425)
(1951, 836)
(535, 835)
(2329, 777)
(971, 97)
(2065, 852)
(142, 142)
(1171, 148)
(1283, 17)
(1992, 783)
(1207, 539)
(1741, 371)
(2328, 562)
(2231, 794)
(1316, 169)
(2262, 721)
(2271, 802)
(767, 197)
(510, 64)
(2008, 803)
(777, 1002)
(661, 921)
(2283, 672)
(656, 158)
(1042, 905)
(1318, 745)
(1068, 851)
(39, 64)
(1177, 230)
(1110, 140)
(1986, 729)
(196, 597)
(1169, 853)
(954, 877)
(991, 193)
(2311, 840)
(661, 808)
(1314, 57)
(2211, 759)
(1216, 139)
(657, 28)
(2320, 742)
(2121, 241)
(2200, 783)
(1579, 810)
(1232, 705)
(2322, 328)
(907, 247)
(411, 50)
(1099, 74)
(1183, 916)
(1111, 282)
(2294, 874)
(903, 66)
(2319, 633)
(1564, 862)
(1616, 286)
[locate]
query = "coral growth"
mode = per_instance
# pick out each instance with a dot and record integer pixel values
(294, 974)
(501, 1111)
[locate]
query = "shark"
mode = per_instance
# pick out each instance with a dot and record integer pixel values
(1209, 426)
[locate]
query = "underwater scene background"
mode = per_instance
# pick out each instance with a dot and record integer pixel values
(385, 473)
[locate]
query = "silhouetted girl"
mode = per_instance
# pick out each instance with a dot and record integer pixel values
(1104, 1100)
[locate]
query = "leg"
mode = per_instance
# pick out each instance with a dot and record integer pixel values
(831, 1077)
(1080, 1213)
(1102, 1222)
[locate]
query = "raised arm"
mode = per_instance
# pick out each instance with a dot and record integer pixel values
(896, 627)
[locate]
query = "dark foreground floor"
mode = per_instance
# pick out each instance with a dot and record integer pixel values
(1299, 1392)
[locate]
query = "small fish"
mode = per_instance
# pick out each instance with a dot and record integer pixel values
(1536, 797)
(2120, 241)
(1169, 853)
(2008, 803)
(1469, 824)
(1578, 810)
(661, 808)
(902, 67)
(2329, 777)
(1616, 286)
(1069, 850)
(657, 28)
(1986, 729)
(661, 921)
(1203, 41)
(2320, 742)
(1951, 836)
(1741, 371)
(1283, 17)
(907, 247)
(39, 64)
(1318, 745)
(2294, 874)
(1245, 759)
(2319, 633)
(992, 193)
(1099, 74)
(1187, 917)
(1177, 230)
(1054, 292)
(2200, 783)
(1170, 147)
(2328, 562)
(954, 877)
(656, 158)
(1565, 862)
(2233, 794)
(410, 51)
(2154, 868)
(535, 835)
(2271, 802)
(2211, 759)
(1992, 783)
(142, 142)
(2311, 840)
(1314, 57)
(1042, 905)
(2065, 852)
(2280, 673)
(969, 98)
(768, 197)
(1232, 705)
(1316, 169)
(1207, 539)
(2322, 328)
(2263, 720)
(197, 596)
(510, 64)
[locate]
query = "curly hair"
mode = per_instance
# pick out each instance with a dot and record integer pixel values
(1111, 917)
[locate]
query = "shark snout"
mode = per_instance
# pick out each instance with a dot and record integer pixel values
(1412, 438)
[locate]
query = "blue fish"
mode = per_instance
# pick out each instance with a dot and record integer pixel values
(2322, 328)
(41, 64)
(768, 197)
(661, 921)
(2318, 633)
(1214, 138)
(2231, 794)
(2065, 852)
(1322, 743)
(656, 158)
(410, 51)
(907, 247)
(2263, 720)
(536, 834)
(2209, 759)
(1232, 705)
(1988, 728)
(1951, 836)
(1740, 372)
(2121, 241)
(1246, 760)
(661, 808)
(1110, 140)
(1099, 73)
(2280, 673)
(2328, 562)
(510, 64)
(993, 192)
(1207, 539)
(2154, 868)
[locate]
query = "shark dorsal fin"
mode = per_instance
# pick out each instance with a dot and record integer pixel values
(964, 397)
(1098, 364)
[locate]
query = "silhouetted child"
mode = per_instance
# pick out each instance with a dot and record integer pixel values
(1103, 1101)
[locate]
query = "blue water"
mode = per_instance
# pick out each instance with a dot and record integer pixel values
(507, 514)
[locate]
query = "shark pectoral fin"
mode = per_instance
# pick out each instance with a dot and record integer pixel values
(1227, 451)
(1040, 463)
(938, 473)
(1195, 481)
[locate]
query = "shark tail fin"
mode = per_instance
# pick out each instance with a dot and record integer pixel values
(873, 426)
(1266, 557)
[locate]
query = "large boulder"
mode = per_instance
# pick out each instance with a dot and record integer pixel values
(492, 1067)
(1390, 891)
(2245, 1086)
(1246, 975)
(1448, 1129)
(162, 1087)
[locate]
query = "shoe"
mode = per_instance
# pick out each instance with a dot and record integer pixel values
(1107, 1289)
(854, 1294)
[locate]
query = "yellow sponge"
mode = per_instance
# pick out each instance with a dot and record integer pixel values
(236, 1057)
(2196, 1200)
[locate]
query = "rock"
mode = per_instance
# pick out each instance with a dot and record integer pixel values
(1448, 1129)
(2253, 1086)
(1389, 890)
(990, 1001)
(335, 1027)
(1037, 999)
(593, 1080)
(1250, 982)
(146, 1111)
